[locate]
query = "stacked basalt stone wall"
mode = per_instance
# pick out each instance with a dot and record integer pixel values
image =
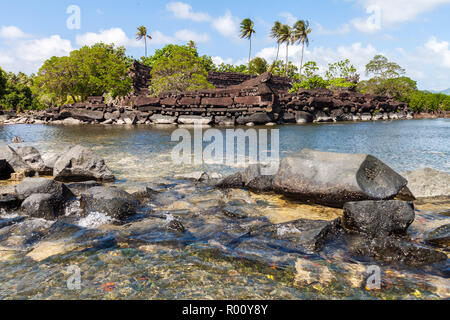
(258, 101)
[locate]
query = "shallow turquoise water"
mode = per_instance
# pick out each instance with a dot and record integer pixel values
(146, 263)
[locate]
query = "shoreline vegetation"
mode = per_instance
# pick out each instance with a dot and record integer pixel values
(104, 70)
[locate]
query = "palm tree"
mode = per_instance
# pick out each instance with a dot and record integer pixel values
(192, 45)
(301, 32)
(275, 34)
(286, 37)
(142, 34)
(247, 30)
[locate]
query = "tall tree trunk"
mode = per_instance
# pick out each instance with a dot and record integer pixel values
(301, 61)
(287, 58)
(278, 52)
(145, 40)
(250, 54)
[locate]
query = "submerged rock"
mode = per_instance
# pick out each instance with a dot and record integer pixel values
(376, 218)
(427, 182)
(116, 203)
(334, 179)
(233, 181)
(310, 234)
(196, 176)
(81, 164)
(396, 251)
(9, 201)
(439, 236)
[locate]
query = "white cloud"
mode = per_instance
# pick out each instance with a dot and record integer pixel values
(219, 60)
(343, 29)
(28, 55)
(160, 39)
(11, 32)
(39, 50)
(440, 50)
(183, 10)
(227, 25)
(186, 35)
(110, 36)
(288, 17)
(382, 13)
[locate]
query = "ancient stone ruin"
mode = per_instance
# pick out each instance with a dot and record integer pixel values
(237, 99)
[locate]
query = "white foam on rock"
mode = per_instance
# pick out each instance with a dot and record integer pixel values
(94, 220)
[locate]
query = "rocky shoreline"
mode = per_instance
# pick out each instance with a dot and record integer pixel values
(257, 101)
(377, 207)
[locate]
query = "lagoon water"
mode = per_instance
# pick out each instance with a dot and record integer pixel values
(146, 264)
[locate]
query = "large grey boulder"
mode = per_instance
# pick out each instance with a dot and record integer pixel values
(14, 160)
(377, 218)
(114, 202)
(31, 186)
(334, 179)
(42, 205)
(33, 158)
(81, 164)
(427, 182)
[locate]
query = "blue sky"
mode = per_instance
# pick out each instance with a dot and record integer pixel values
(414, 33)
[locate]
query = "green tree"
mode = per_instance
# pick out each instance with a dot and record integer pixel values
(178, 69)
(223, 67)
(89, 71)
(399, 88)
(286, 37)
(301, 31)
(3, 80)
(341, 69)
(142, 34)
(382, 68)
(310, 70)
(247, 31)
(276, 34)
(258, 66)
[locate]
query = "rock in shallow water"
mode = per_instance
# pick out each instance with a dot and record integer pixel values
(376, 218)
(5, 170)
(334, 179)
(439, 236)
(15, 161)
(33, 158)
(396, 251)
(42, 205)
(81, 164)
(41, 185)
(116, 203)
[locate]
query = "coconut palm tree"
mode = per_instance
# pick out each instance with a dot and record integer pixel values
(275, 34)
(286, 37)
(247, 31)
(142, 34)
(300, 35)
